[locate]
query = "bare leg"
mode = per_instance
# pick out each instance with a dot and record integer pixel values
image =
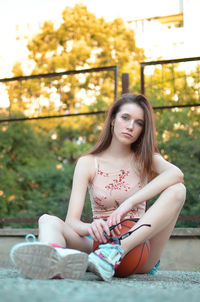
(162, 216)
(158, 243)
(51, 230)
(54, 230)
(39, 260)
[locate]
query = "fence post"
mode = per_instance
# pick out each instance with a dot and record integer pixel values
(142, 79)
(125, 83)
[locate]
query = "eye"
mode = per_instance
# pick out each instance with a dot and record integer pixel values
(139, 123)
(125, 117)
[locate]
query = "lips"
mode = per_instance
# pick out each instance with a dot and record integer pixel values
(127, 134)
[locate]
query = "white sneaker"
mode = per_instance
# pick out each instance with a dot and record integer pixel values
(37, 260)
(103, 261)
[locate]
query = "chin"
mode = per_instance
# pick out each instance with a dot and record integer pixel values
(127, 142)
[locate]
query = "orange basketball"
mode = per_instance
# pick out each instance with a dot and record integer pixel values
(135, 259)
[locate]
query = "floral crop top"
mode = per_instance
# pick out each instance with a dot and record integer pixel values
(109, 189)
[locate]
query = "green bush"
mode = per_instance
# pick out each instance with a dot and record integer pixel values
(36, 171)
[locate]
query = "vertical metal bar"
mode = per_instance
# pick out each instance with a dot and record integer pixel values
(151, 87)
(125, 83)
(173, 80)
(198, 80)
(49, 98)
(116, 82)
(10, 94)
(163, 80)
(185, 79)
(20, 97)
(60, 94)
(142, 89)
(39, 86)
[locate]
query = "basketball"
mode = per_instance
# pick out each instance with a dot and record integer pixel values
(135, 259)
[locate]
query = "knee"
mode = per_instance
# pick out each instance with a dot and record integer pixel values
(178, 192)
(45, 218)
(48, 219)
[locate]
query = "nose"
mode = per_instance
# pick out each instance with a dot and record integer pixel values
(130, 124)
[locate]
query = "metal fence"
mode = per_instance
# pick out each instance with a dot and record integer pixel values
(50, 77)
(125, 88)
(173, 63)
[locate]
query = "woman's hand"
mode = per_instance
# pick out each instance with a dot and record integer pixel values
(118, 215)
(97, 228)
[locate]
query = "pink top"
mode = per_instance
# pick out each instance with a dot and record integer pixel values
(109, 189)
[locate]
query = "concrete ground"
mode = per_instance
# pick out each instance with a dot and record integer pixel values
(164, 286)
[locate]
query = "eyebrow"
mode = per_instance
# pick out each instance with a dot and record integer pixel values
(126, 113)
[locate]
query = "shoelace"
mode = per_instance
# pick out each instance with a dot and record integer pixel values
(110, 252)
(117, 240)
(111, 249)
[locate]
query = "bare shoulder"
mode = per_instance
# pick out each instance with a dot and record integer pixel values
(86, 165)
(160, 165)
(86, 160)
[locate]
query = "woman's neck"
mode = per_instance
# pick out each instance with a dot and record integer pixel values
(117, 150)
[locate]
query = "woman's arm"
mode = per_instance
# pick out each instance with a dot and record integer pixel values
(83, 173)
(167, 175)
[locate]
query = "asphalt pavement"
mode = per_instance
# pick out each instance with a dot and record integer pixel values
(164, 286)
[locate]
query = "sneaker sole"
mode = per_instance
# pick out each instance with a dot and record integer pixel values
(73, 266)
(35, 261)
(95, 268)
(41, 261)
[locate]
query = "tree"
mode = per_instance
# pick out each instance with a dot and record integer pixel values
(178, 129)
(82, 41)
(85, 41)
(32, 179)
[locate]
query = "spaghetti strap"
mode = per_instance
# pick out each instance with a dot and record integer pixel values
(96, 164)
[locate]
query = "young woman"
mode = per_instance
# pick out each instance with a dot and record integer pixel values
(122, 172)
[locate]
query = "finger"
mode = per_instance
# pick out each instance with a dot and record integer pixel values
(111, 224)
(116, 232)
(99, 232)
(96, 232)
(118, 228)
(118, 221)
(106, 227)
(114, 222)
(113, 234)
(91, 233)
(114, 219)
(111, 221)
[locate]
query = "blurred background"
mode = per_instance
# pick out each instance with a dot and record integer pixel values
(62, 63)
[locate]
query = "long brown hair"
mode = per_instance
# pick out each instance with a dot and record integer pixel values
(145, 146)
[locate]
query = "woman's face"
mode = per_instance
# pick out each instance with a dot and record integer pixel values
(128, 123)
